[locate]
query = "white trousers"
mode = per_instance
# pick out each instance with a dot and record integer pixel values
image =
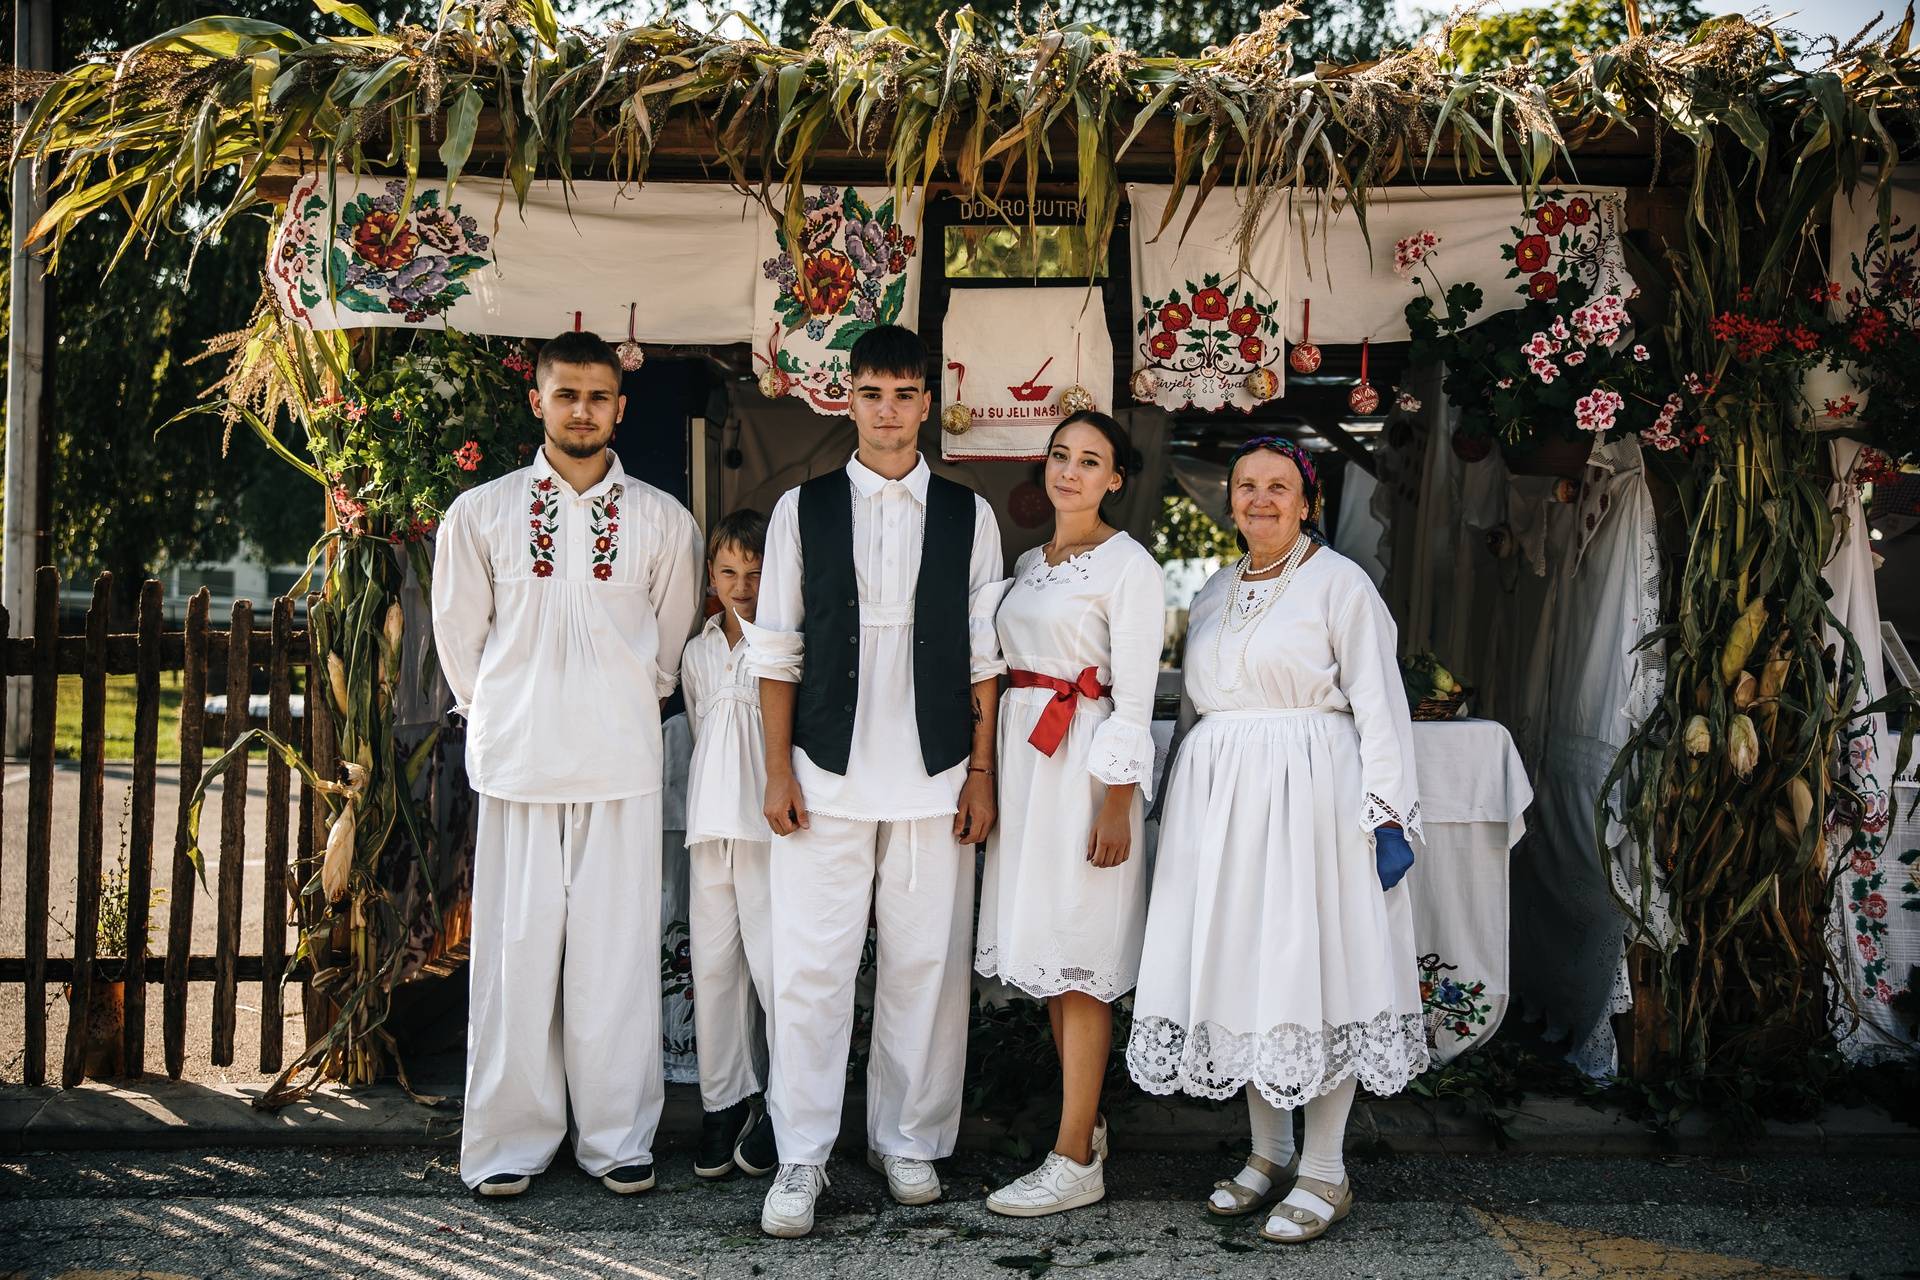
(554, 883)
(730, 919)
(918, 884)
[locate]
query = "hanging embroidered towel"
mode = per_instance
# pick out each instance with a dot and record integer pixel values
(859, 266)
(1871, 270)
(1011, 356)
(371, 252)
(1357, 284)
(1206, 334)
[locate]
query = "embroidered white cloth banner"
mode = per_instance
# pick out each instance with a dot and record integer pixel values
(1487, 236)
(1861, 259)
(358, 252)
(1202, 325)
(859, 267)
(1009, 354)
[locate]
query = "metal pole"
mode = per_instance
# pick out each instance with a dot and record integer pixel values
(26, 369)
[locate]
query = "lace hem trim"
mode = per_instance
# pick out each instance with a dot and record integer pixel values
(1122, 753)
(1290, 1064)
(1379, 812)
(1043, 982)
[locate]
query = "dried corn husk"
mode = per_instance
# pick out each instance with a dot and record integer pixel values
(1698, 738)
(337, 866)
(1743, 745)
(1745, 690)
(1800, 796)
(1741, 639)
(337, 681)
(396, 625)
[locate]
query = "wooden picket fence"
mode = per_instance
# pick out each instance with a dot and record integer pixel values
(206, 658)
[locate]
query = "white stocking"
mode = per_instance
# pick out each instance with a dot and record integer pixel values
(1272, 1140)
(1321, 1155)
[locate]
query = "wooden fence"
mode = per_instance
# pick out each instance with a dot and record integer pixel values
(207, 659)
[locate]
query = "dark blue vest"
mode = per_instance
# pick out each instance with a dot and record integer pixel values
(942, 662)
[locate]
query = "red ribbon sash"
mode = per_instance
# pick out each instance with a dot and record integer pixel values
(1054, 720)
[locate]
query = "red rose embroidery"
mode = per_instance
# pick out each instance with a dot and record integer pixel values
(1244, 320)
(1531, 253)
(537, 508)
(1544, 285)
(1210, 304)
(603, 571)
(1252, 350)
(386, 241)
(1163, 344)
(1579, 211)
(543, 542)
(1550, 217)
(1876, 908)
(1863, 862)
(1175, 316)
(543, 568)
(601, 544)
(826, 283)
(605, 532)
(612, 510)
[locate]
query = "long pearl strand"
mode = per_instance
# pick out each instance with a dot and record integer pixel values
(1246, 621)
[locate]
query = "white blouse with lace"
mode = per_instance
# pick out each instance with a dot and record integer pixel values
(1272, 955)
(1050, 921)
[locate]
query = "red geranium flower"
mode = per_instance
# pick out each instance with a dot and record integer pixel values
(543, 568)
(386, 240)
(1543, 285)
(543, 485)
(1163, 344)
(1252, 350)
(1175, 316)
(1244, 320)
(1210, 304)
(603, 571)
(826, 283)
(1531, 253)
(537, 507)
(1550, 217)
(1579, 211)
(601, 544)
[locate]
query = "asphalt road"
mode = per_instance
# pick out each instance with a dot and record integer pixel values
(312, 1213)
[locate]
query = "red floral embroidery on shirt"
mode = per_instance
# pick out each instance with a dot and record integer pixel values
(543, 526)
(605, 532)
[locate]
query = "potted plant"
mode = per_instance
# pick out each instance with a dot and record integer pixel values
(105, 1014)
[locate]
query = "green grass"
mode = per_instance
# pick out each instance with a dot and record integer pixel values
(119, 745)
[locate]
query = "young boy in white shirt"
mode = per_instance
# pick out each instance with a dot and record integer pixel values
(727, 845)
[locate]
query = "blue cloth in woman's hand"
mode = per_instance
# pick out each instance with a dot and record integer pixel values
(1392, 855)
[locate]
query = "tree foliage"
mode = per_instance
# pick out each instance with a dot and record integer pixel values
(1554, 38)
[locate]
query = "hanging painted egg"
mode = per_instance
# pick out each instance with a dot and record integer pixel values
(1144, 385)
(1304, 358)
(956, 419)
(1263, 384)
(1075, 399)
(1027, 505)
(1469, 447)
(774, 383)
(631, 355)
(1363, 399)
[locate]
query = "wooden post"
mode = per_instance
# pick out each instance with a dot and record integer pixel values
(273, 937)
(6, 682)
(146, 741)
(46, 691)
(92, 824)
(233, 836)
(193, 716)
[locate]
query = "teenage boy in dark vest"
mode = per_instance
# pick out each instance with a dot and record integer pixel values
(878, 665)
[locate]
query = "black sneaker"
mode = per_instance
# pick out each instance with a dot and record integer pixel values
(757, 1155)
(628, 1179)
(719, 1132)
(502, 1184)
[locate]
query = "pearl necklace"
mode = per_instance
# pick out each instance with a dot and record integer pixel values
(1244, 620)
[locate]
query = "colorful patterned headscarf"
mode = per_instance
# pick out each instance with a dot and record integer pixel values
(1308, 475)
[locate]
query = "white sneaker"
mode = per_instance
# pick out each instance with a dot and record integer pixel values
(1056, 1186)
(787, 1211)
(1100, 1139)
(909, 1181)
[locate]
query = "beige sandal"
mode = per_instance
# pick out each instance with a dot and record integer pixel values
(1326, 1205)
(1245, 1199)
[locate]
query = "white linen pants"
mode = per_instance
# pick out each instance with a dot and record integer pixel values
(730, 919)
(919, 884)
(554, 883)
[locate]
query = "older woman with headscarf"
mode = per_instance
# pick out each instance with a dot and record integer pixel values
(1279, 954)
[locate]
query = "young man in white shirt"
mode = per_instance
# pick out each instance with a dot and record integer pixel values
(878, 662)
(563, 594)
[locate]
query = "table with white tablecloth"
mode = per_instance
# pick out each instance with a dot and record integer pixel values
(1473, 797)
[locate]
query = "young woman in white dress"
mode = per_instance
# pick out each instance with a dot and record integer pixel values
(1276, 961)
(1063, 902)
